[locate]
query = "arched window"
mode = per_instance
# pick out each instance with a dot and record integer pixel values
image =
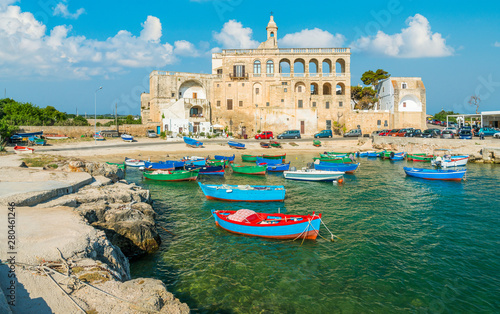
(256, 67)
(272, 34)
(270, 67)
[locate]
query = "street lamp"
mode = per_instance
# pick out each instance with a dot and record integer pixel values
(95, 114)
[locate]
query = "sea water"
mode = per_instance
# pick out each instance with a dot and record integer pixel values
(407, 245)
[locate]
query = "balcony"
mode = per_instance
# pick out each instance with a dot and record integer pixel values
(238, 76)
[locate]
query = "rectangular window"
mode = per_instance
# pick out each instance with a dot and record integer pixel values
(284, 83)
(217, 85)
(218, 103)
(314, 104)
(173, 95)
(241, 103)
(229, 104)
(286, 89)
(219, 71)
(239, 70)
(379, 122)
(267, 104)
(328, 124)
(256, 91)
(299, 89)
(327, 105)
(340, 104)
(403, 86)
(229, 85)
(385, 123)
(282, 100)
(300, 104)
(404, 104)
(242, 84)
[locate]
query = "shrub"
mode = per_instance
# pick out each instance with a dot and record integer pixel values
(202, 134)
(162, 134)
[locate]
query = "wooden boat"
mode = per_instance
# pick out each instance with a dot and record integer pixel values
(192, 142)
(250, 158)
(317, 143)
(244, 193)
(420, 157)
(215, 163)
(175, 175)
(337, 160)
(35, 140)
(373, 154)
(276, 225)
(127, 137)
(163, 165)
(268, 161)
(119, 165)
(386, 154)
(335, 154)
(450, 161)
(26, 135)
(236, 145)
(98, 137)
(397, 156)
(23, 150)
(130, 162)
(282, 157)
(55, 136)
(435, 174)
(194, 160)
(313, 175)
(207, 170)
(347, 168)
(228, 158)
(253, 170)
(265, 145)
(364, 154)
(275, 144)
(278, 167)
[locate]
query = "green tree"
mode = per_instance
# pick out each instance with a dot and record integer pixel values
(363, 97)
(372, 78)
(441, 116)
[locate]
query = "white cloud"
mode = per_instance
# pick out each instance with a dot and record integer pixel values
(61, 9)
(234, 36)
(27, 49)
(312, 38)
(185, 48)
(415, 41)
(496, 44)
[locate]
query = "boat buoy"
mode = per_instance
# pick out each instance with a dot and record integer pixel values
(340, 181)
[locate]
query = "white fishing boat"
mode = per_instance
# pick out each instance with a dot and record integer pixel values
(449, 160)
(127, 137)
(313, 175)
(134, 162)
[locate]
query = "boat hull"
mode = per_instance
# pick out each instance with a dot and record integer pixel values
(430, 174)
(229, 158)
(347, 168)
(313, 175)
(23, 150)
(453, 161)
(251, 170)
(278, 167)
(232, 193)
(192, 142)
(236, 145)
(134, 162)
(249, 158)
(208, 170)
(282, 157)
(178, 175)
(307, 228)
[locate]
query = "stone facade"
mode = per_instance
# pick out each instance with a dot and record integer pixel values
(267, 88)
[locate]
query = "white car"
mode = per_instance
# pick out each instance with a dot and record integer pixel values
(454, 130)
(496, 135)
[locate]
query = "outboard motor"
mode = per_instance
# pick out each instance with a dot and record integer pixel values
(392, 154)
(310, 165)
(293, 169)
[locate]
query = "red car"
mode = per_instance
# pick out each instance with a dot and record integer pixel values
(384, 132)
(264, 135)
(393, 132)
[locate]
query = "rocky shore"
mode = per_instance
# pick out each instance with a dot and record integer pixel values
(76, 228)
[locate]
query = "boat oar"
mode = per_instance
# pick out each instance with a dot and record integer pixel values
(169, 231)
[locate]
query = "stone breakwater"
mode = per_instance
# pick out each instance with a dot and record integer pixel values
(80, 236)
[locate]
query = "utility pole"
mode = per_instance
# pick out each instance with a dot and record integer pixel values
(116, 115)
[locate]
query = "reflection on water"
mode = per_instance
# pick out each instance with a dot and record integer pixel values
(407, 245)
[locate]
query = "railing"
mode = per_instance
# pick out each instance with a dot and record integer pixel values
(270, 74)
(286, 50)
(238, 76)
(256, 75)
(196, 102)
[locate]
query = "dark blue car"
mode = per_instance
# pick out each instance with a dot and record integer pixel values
(465, 135)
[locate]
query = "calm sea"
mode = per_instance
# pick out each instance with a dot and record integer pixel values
(408, 245)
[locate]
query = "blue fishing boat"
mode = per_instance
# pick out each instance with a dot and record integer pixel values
(192, 142)
(207, 170)
(244, 193)
(18, 136)
(127, 138)
(328, 166)
(276, 225)
(365, 154)
(35, 140)
(236, 145)
(278, 167)
(162, 165)
(373, 155)
(261, 160)
(229, 158)
(193, 160)
(397, 156)
(435, 174)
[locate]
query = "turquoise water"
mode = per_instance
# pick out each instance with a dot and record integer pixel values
(408, 245)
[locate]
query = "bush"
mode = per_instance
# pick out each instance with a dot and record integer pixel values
(162, 134)
(202, 134)
(230, 134)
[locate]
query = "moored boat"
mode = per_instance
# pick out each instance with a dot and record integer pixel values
(55, 136)
(119, 165)
(194, 160)
(397, 156)
(373, 154)
(35, 140)
(450, 161)
(208, 170)
(317, 143)
(335, 160)
(176, 175)
(435, 174)
(253, 170)
(244, 193)
(192, 142)
(261, 160)
(228, 158)
(249, 158)
(347, 168)
(265, 145)
(421, 157)
(23, 150)
(127, 137)
(313, 175)
(282, 157)
(278, 167)
(130, 162)
(236, 145)
(98, 137)
(275, 144)
(275, 225)
(163, 165)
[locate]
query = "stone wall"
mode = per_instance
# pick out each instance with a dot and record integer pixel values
(77, 131)
(367, 120)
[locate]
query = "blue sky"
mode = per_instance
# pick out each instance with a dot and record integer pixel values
(58, 52)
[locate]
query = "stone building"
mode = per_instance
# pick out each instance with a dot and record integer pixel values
(268, 88)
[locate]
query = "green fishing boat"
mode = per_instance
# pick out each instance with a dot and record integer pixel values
(120, 165)
(335, 160)
(422, 157)
(254, 170)
(250, 158)
(317, 143)
(386, 154)
(217, 163)
(174, 175)
(283, 156)
(335, 155)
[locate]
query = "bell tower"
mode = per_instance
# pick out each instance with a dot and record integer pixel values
(272, 29)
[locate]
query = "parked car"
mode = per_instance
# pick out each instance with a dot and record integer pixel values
(447, 134)
(496, 135)
(151, 133)
(324, 133)
(353, 133)
(264, 135)
(454, 130)
(465, 135)
(431, 133)
(393, 132)
(414, 133)
(375, 133)
(384, 132)
(289, 134)
(487, 131)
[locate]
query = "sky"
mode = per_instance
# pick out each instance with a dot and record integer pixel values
(59, 52)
